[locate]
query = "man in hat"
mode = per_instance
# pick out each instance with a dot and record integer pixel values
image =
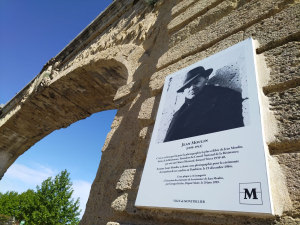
(207, 108)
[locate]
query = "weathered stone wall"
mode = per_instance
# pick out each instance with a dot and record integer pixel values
(120, 61)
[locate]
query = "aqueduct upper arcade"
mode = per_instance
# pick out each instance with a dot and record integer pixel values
(120, 61)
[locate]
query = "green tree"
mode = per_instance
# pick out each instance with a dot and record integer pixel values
(28, 204)
(18, 205)
(56, 205)
(9, 203)
(50, 204)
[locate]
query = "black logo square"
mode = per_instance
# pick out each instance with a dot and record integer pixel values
(250, 193)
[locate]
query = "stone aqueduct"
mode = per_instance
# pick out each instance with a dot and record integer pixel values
(120, 61)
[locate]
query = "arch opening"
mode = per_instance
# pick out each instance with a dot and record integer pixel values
(76, 149)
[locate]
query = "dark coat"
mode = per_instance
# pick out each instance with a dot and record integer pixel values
(214, 109)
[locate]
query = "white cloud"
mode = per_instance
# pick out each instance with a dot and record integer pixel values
(30, 176)
(81, 190)
(20, 177)
(11, 185)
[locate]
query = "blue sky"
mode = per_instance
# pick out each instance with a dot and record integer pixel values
(31, 33)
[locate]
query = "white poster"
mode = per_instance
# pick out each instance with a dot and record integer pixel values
(207, 147)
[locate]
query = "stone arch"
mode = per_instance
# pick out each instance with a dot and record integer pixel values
(55, 100)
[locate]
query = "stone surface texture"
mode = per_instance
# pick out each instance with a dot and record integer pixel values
(120, 62)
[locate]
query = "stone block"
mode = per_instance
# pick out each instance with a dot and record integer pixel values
(123, 91)
(146, 114)
(286, 107)
(120, 203)
(279, 192)
(291, 168)
(143, 133)
(276, 27)
(126, 92)
(284, 63)
(116, 122)
(181, 6)
(126, 180)
(287, 220)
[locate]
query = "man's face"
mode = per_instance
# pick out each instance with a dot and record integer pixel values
(195, 87)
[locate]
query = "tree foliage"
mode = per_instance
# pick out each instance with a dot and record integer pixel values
(50, 204)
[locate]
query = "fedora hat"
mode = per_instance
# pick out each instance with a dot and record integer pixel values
(193, 74)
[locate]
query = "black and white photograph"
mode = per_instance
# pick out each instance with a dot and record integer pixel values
(207, 130)
(204, 99)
